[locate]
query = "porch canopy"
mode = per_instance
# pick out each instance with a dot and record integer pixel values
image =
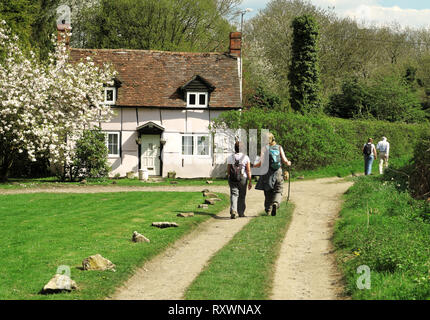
(150, 128)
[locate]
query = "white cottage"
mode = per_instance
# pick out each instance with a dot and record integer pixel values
(163, 103)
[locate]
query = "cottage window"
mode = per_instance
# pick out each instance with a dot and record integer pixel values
(195, 145)
(113, 144)
(197, 99)
(203, 145)
(109, 95)
(187, 145)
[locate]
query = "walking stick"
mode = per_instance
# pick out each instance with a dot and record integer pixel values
(289, 182)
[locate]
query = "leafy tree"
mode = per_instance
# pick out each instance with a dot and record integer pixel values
(263, 98)
(392, 99)
(351, 102)
(19, 15)
(172, 25)
(388, 97)
(33, 21)
(304, 69)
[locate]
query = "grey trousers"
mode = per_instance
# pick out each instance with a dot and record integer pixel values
(274, 196)
(238, 195)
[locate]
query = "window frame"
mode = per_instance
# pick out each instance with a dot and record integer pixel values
(195, 137)
(197, 104)
(105, 90)
(118, 134)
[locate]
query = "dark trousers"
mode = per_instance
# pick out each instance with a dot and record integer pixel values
(274, 196)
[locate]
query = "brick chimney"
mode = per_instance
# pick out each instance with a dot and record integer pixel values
(235, 43)
(63, 31)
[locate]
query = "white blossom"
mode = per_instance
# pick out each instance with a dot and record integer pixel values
(44, 107)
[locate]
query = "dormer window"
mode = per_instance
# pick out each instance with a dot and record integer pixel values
(196, 92)
(197, 99)
(109, 95)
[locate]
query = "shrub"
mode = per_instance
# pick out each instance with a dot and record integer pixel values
(90, 157)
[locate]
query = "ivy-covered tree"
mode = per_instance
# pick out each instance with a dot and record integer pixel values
(304, 70)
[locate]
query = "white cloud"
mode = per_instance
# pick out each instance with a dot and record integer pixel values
(383, 15)
(370, 12)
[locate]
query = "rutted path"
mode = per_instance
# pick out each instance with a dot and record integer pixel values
(305, 268)
(167, 276)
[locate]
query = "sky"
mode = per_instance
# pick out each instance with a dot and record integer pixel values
(410, 13)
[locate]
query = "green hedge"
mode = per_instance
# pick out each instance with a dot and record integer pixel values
(420, 178)
(317, 141)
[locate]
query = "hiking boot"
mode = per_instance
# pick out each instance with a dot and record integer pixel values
(233, 214)
(274, 207)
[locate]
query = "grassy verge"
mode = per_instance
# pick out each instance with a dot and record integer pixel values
(40, 232)
(17, 183)
(382, 227)
(243, 269)
(346, 169)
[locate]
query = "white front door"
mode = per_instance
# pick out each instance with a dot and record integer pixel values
(151, 154)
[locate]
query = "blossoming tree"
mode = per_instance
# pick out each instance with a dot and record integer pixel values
(45, 106)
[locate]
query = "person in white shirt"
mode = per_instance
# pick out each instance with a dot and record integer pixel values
(383, 147)
(239, 177)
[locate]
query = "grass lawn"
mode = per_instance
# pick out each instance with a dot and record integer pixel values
(243, 269)
(19, 183)
(40, 232)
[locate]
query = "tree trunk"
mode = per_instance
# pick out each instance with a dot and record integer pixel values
(5, 169)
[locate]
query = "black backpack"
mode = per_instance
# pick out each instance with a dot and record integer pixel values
(236, 171)
(367, 149)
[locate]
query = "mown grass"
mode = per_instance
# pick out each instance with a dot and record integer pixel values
(243, 269)
(383, 227)
(20, 183)
(40, 232)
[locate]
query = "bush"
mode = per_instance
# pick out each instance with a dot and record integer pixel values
(91, 160)
(386, 98)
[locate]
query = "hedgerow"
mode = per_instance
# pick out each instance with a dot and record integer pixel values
(316, 141)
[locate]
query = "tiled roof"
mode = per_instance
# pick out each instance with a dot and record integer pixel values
(154, 78)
